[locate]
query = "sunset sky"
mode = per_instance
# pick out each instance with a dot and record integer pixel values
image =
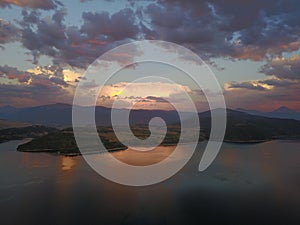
(252, 47)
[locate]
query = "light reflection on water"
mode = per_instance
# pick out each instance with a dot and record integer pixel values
(258, 182)
(143, 158)
(67, 163)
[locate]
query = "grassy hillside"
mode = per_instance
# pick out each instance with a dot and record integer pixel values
(244, 127)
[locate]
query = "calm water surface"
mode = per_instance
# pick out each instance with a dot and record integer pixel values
(246, 184)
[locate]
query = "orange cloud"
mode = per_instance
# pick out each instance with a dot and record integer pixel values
(266, 95)
(142, 90)
(148, 95)
(42, 4)
(96, 42)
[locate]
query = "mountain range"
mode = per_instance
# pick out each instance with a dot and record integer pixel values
(60, 115)
(282, 112)
(241, 126)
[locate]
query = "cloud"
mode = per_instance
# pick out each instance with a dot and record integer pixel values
(280, 72)
(153, 89)
(113, 27)
(285, 68)
(281, 87)
(265, 94)
(250, 30)
(199, 32)
(14, 73)
(155, 99)
(8, 32)
(72, 45)
(148, 95)
(43, 76)
(36, 94)
(71, 76)
(276, 82)
(30, 17)
(264, 100)
(34, 4)
(236, 29)
(40, 85)
(250, 85)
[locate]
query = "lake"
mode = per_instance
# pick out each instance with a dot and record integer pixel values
(246, 184)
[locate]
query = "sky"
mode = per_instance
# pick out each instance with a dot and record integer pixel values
(252, 46)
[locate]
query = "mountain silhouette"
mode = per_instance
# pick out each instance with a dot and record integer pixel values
(282, 112)
(241, 126)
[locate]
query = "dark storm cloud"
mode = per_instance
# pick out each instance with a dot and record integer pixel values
(278, 82)
(30, 17)
(8, 32)
(234, 29)
(14, 73)
(280, 88)
(35, 4)
(237, 29)
(43, 36)
(266, 84)
(115, 27)
(280, 93)
(284, 68)
(24, 95)
(246, 85)
(155, 99)
(198, 32)
(231, 29)
(76, 46)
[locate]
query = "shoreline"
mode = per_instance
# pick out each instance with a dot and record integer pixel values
(248, 141)
(56, 152)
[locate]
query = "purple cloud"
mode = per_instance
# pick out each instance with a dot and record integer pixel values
(285, 68)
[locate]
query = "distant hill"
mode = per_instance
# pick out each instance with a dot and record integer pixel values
(4, 124)
(243, 127)
(7, 109)
(24, 132)
(282, 112)
(48, 115)
(60, 115)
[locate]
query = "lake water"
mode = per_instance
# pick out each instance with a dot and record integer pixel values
(246, 184)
